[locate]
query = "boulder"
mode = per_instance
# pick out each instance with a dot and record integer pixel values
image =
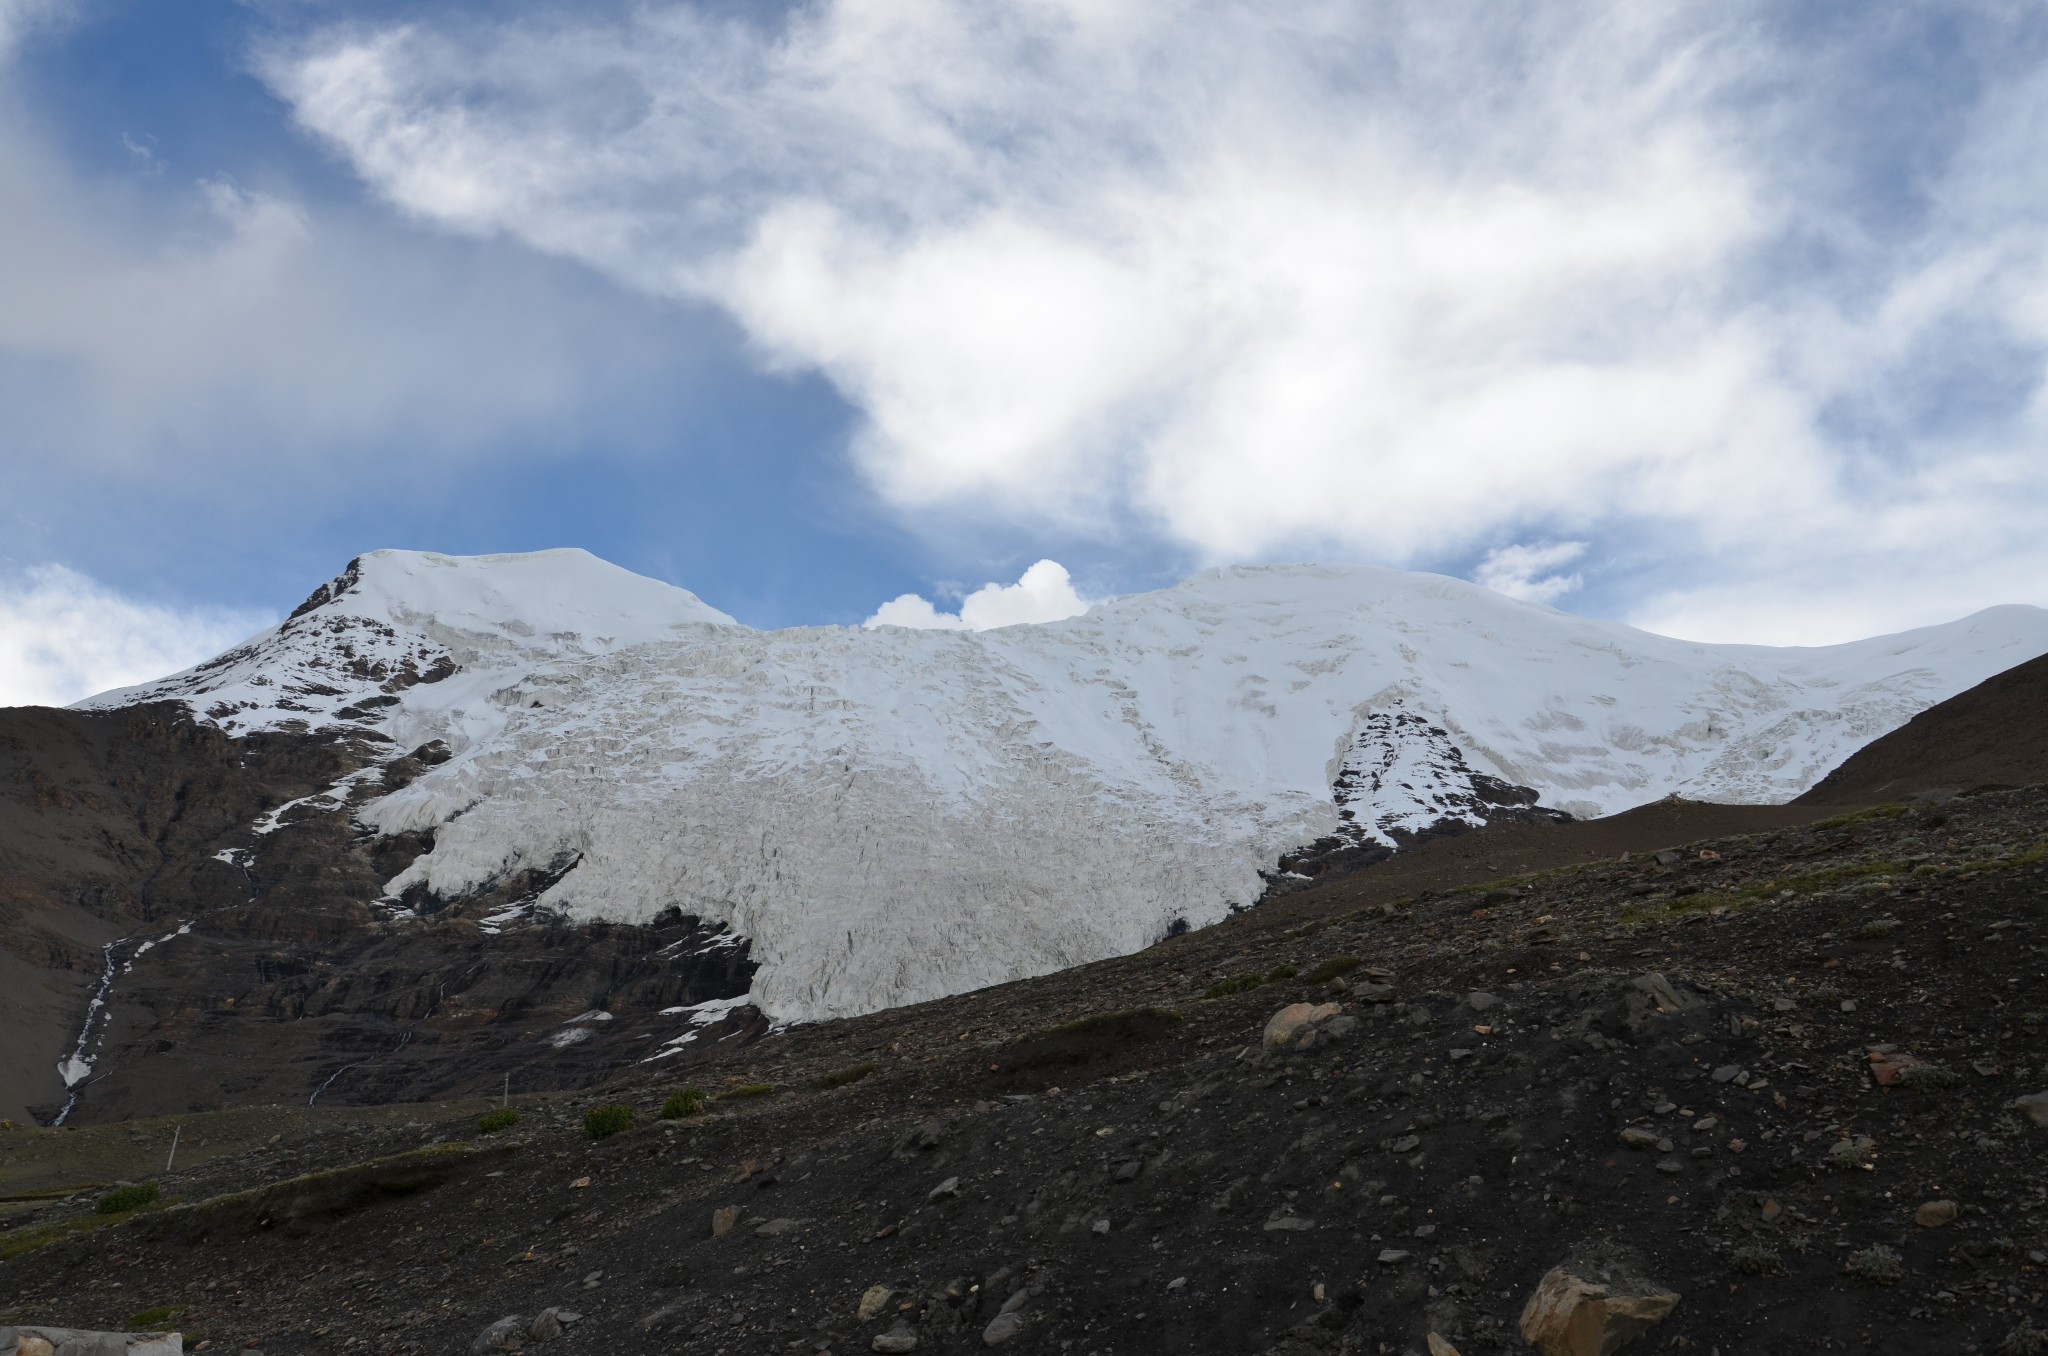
(1303, 1026)
(1934, 1214)
(2034, 1107)
(1572, 1315)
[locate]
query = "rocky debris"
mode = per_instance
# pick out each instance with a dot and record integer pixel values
(32, 1340)
(900, 1338)
(1572, 1315)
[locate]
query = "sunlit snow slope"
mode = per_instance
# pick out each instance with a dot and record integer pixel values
(892, 815)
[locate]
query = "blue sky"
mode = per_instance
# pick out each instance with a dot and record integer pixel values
(1729, 320)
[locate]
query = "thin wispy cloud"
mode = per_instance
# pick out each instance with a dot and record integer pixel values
(1387, 279)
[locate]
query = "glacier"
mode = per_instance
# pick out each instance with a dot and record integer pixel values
(891, 815)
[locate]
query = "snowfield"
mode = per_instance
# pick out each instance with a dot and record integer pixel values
(891, 815)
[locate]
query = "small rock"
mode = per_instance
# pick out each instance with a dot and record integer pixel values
(1934, 1214)
(776, 1228)
(1001, 1329)
(1727, 1073)
(900, 1338)
(1481, 1001)
(1393, 1257)
(503, 1335)
(1128, 1172)
(1568, 1315)
(28, 1344)
(1101, 1226)
(1022, 1298)
(873, 1302)
(1670, 1165)
(723, 1219)
(1439, 1347)
(1370, 992)
(1177, 1283)
(1290, 1223)
(546, 1324)
(1405, 1144)
(949, 1187)
(2034, 1107)
(1635, 1137)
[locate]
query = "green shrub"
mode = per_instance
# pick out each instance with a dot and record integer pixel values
(1876, 1265)
(602, 1122)
(840, 1078)
(2025, 1340)
(1281, 971)
(158, 1317)
(746, 1090)
(1878, 927)
(688, 1102)
(1241, 984)
(1926, 1078)
(1756, 1259)
(1334, 968)
(504, 1118)
(1821, 996)
(121, 1200)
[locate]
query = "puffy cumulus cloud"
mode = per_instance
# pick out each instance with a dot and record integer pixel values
(1394, 278)
(1530, 572)
(1045, 592)
(64, 637)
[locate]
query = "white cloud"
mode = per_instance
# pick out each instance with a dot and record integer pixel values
(1045, 592)
(1394, 278)
(64, 637)
(1530, 572)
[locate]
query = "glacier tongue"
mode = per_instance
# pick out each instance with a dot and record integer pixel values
(893, 815)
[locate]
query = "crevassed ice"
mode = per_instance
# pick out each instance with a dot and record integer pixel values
(891, 815)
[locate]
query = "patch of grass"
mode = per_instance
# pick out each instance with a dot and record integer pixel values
(1927, 1078)
(840, 1078)
(121, 1200)
(687, 1102)
(745, 1091)
(157, 1317)
(1892, 810)
(491, 1122)
(1096, 1022)
(1878, 927)
(2032, 1022)
(1876, 1265)
(1281, 971)
(1821, 996)
(1805, 883)
(602, 1122)
(1334, 968)
(1223, 988)
(1756, 1259)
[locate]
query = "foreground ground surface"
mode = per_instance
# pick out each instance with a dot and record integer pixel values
(1153, 1179)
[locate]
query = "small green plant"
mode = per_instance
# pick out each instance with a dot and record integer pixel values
(1821, 996)
(491, 1122)
(1336, 967)
(1876, 1265)
(157, 1317)
(1878, 927)
(1927, 1078)
(602, 1122)
(2025, 1340)
(2032, 1022)
(1281, 971)
(1223, 988)
(688, 1102)
(840, 1078)
(746, 1090)
(1757, 1259)
(121, 1200)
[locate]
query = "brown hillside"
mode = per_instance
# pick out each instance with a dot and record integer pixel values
(1995, 734)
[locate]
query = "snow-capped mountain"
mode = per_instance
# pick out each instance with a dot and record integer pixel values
(890, 815)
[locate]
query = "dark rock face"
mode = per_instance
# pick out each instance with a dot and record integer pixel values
(234, 966)
(1400, 757)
